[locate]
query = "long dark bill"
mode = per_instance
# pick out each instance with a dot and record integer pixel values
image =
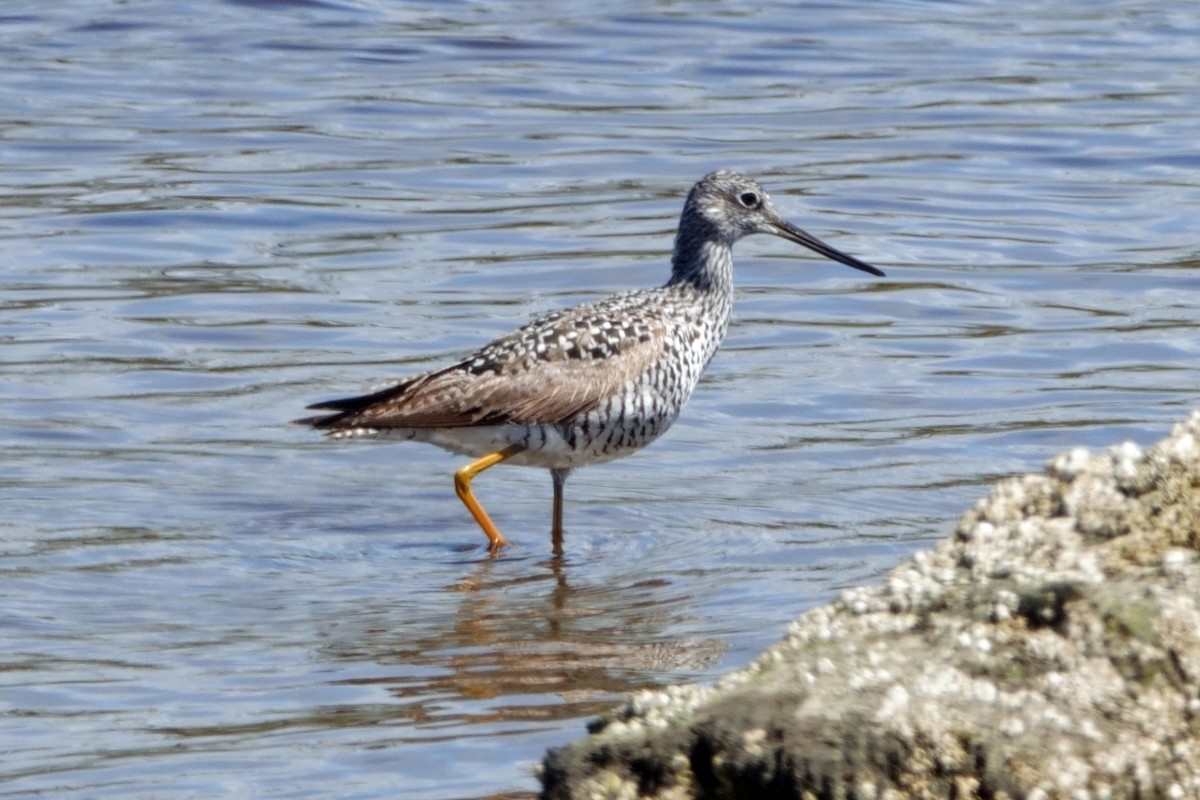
(790, 232)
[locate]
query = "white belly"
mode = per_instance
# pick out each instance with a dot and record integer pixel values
(548, 446)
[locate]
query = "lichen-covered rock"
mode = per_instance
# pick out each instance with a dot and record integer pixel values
(1050, 648)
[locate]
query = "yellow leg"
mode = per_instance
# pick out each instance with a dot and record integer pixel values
(462, 485)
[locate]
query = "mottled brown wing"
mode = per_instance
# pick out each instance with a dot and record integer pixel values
(535, 388)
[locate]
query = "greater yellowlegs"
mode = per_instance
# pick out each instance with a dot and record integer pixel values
(590, 383)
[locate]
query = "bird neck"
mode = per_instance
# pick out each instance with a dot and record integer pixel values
(704, 262)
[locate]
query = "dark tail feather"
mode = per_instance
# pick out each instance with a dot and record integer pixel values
(347, 407)
(323, 421)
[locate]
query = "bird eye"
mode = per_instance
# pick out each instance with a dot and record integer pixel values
(748, 199)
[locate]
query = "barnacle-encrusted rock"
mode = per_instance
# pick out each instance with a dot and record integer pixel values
(1050, 648)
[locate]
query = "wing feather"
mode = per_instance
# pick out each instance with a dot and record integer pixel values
(546, 385)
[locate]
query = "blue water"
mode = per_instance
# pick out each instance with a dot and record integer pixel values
(214, 214)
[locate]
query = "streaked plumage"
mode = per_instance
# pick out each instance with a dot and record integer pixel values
(589, 383)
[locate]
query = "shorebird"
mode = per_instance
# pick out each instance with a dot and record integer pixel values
(590, 383)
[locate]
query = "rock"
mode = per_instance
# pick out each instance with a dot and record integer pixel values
(1050, 648)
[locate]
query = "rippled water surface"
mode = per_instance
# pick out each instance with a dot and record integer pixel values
(215, 213)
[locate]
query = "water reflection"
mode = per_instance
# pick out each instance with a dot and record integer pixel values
(520, 639)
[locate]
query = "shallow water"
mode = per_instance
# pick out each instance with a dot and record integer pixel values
(215, 214)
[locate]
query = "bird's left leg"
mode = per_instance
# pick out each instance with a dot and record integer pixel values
(462, 485)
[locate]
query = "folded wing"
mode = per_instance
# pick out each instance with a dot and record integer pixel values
(508, 381)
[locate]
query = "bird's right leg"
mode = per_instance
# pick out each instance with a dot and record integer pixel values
(462, 485)
(559, 477)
